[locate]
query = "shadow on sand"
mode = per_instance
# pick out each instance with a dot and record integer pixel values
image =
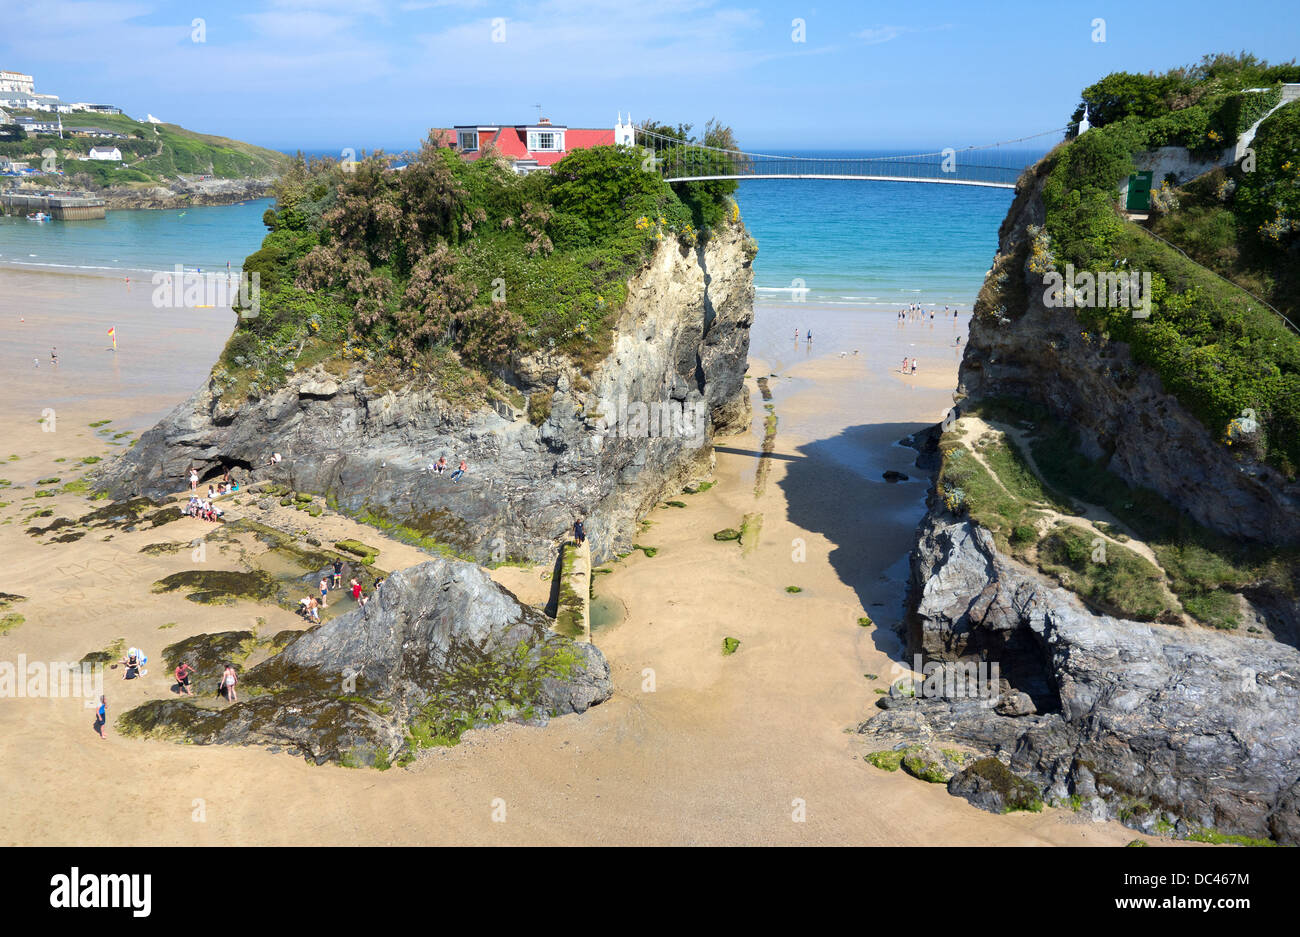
(834, 487)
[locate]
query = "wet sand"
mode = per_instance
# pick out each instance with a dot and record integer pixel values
(693, 748)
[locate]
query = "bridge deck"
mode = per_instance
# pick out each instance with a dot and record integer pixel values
(929, 180)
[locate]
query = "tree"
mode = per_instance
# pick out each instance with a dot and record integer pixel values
(681, 133)
(605, 187)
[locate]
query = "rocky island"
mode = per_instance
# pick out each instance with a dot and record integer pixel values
(575, 379)
(575, 340)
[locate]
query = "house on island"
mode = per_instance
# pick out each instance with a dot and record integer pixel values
(531, 147)
(106, 153)
(1177, 165)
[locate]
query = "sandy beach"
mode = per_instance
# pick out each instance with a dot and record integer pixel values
(694, 747)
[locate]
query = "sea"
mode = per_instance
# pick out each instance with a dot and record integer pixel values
(878, 246)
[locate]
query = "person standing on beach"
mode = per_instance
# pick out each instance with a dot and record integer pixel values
(183, 672)
(228, 681)
(810, 336)
(338, 574)
(54, 356)
(194, 479)
(324, 591)
(913, 365)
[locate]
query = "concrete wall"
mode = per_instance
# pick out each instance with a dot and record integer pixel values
(1176, 160)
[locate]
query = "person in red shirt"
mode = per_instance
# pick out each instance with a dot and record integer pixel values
(356, 591)
(183, 678)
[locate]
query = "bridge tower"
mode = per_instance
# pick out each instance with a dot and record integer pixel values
(623, 135)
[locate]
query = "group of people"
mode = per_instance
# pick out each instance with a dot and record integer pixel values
(440, 466)
(796, 336)
(135, 660)
(226, 486)
(309, 606)
(203, 508)
(909, 366)
(915, 311)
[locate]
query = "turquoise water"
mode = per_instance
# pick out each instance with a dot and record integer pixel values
(127, 242)
(876, 245)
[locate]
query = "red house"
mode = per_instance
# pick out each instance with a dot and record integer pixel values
(535, 146)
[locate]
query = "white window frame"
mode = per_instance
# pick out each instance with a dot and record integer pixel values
(535, 141)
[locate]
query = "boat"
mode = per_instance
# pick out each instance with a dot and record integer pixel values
(38, 216)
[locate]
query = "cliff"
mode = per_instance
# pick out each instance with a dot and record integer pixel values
(679, 342)
(183, 193)
(163, 165)
(1169, 729)
(1125, 418)
(1129, 574)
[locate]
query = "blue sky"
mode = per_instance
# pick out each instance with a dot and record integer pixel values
(330, 74)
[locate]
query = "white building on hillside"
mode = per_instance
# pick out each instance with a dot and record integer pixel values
(109, 153)
(94, 108)
(17, 82)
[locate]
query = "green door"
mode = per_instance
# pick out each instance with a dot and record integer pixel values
(1139, 192)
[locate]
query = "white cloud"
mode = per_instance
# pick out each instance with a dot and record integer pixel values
(880, 34)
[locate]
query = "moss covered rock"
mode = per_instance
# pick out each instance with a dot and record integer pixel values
(991, 785)
(440, 648)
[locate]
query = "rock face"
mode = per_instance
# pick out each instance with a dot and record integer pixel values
(608, 448)
(182, 193)
(439, 649)
(1162, 727)
(1119, 408)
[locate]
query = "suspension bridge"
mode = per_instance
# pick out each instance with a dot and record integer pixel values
(992, 165)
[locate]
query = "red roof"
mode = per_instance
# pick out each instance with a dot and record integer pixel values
(512, 142)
